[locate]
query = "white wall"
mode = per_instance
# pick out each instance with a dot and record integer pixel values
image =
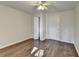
(52, 26)
(15, 26)
(59, 26)
(76, 40)
(67, 26)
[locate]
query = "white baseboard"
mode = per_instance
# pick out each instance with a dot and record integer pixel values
(14, 43)
(76, 49)
(60, 40)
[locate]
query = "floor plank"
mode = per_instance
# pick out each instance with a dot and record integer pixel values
(52, 48)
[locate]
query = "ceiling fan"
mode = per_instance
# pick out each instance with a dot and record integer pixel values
(43, 5)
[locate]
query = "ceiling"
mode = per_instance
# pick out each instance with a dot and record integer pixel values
(28, 6)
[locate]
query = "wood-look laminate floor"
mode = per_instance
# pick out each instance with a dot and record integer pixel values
(52, 49)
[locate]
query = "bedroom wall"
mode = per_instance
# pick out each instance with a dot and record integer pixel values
(76, 40)
(52, 23)
(15, 26)
(67, 26)
(60, 26)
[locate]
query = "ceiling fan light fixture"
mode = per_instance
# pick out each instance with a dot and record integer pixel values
(42, 6)
(39, 7)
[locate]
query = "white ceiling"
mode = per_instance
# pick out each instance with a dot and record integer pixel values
(28, 6)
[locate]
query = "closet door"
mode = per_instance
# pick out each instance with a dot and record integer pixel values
(40, 27)
(36, 28)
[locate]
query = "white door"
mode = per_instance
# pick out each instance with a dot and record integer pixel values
(36, 27)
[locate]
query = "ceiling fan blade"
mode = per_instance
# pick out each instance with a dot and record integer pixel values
(52, 4)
